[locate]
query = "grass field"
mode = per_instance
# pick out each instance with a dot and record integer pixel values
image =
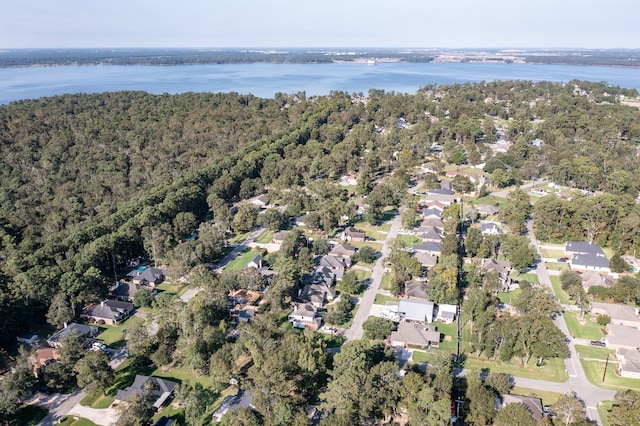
(362, 275)
(385, 282)
(546, 396)
(593, 352)
(509, 296)
(377, 232)
(548, 253)
(490, 200)
(238, 238)
(557, 266)
(603, 411)
(406, 239)
(531, 277)
(590, 330)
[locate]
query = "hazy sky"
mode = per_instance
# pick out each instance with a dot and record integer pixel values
(325, 23)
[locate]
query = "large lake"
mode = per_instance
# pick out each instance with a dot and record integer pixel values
(265, 80)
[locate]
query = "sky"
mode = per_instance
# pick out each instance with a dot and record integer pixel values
(326, 23)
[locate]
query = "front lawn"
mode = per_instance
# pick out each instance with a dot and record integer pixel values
(406, 240)
(509, 296)
(593, 352)
(113, 335)
(549, 253)
(76, 421)
(531, 277)
(265, 237)
(241, 260)
(547, 397)
(553, 369)
(589, 330)
(557, 266)
(382, 299)
(603, 411)
(376, 232)
(385, 282)
(30, 415)
(559, 292)
(594, 371)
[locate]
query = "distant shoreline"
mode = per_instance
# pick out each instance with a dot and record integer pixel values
(10, 58)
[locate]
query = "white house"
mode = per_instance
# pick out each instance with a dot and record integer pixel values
(446, 313)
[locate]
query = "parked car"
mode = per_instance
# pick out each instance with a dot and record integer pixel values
(563, 259)
(598, 343)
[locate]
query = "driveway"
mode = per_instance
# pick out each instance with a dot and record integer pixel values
(57, 404)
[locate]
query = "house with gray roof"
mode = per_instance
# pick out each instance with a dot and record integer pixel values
(446, 312)
(430, 212)
(416, 290)
(429, 234)
(353, 234)
(593, 279)
(243, 399)
(589, 262)
(416, 310)
(620, 314)
(305, 315)
(433, 222)
(434, 249)
(109, 311)
(163, 390)
(415, 335)
(582, 247)
(622, 337)
(126, 290)
(629, 363)
(532, 404)
(427, 260)
(317, 294)
(150, 276)
(83, 330)
(336, 264)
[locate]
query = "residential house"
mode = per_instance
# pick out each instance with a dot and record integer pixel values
(28, 338)
(629, 363)
(487, 210)
(126, 290)
(586, 256)
(439, 195)
(532, 404)
(256, 262)
(620, 314)
(433, 249)
(83, 330)
(446, 313)
(345, 251)
(261, 201)
(43, 357)
(352, 234)
(278, 237)
(429, 234)
(415, 335)
(427, 260)
(433, 222)
(162, 394)
(337, 264)
(622, 337)
(164, 421)
(150, 276)
(445, 184)
(322, 275)
(593, 279)
(502, 266)
(317, 294)
(305, 315)
(108, 312)
(243, 304)
(416, 290)
(431, 213)
(243, 399)
(416, 310)
(490, 228)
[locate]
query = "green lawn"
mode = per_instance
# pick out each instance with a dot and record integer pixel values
(265, 237)
(172, 287)
(113, 336)
(406, 239)
(595, 369)
(559, 292)
(385, 282)
(241, 260)
(76, 421)
(358, 244)
(603, 411)
(548, 253)
(546, 396)
(594, 352)
(238, 238)
(30, 415)
(590, 330)
(557, 266)
(553, 369)
(382, 299)
(531, 277)
(490, 200)
(509, 296)
(376, 232)
(170, 412)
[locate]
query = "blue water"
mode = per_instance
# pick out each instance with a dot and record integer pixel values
(265, 80)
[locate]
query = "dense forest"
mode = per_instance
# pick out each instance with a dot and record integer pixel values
(90, 182)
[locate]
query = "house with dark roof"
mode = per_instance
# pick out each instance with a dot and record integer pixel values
(532, 404)
(503, 267)
(431, 213)
(28, 338)
(163, 390)
(150, 276)
(416, 310)
(427, 260)
(433, 222)
(336, 264)
(83, 330)
(415, 335)
(243, 399)
(109, 311)
(126, 290)
(416, 290)
(434, 249)
(593, 279)
(353, 234)
(317, 294)
(586, 256)
(260, 201)
(429, 234)
(305, 315)
(256, 262)
(345, 251)
(278, 237)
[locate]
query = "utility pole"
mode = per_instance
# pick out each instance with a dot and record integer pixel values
(605, 368)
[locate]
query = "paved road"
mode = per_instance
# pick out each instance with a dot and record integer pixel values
(355, 332)
(506, 192)
(591, 395)
(57, 404)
